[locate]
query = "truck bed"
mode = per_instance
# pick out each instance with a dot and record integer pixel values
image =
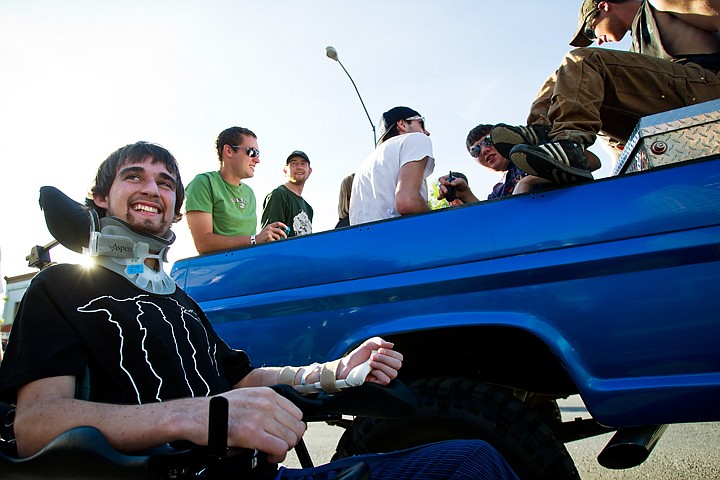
(610, 287)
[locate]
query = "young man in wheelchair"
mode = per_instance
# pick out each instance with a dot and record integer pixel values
(153, 361)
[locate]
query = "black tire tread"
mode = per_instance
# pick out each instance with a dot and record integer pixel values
(453, 408)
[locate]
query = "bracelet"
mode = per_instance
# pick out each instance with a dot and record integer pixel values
(306, 372)
(252, 240)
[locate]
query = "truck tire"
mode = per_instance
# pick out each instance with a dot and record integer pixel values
(453, 408)
(550, 413)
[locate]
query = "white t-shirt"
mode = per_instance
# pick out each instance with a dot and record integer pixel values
(373, 189)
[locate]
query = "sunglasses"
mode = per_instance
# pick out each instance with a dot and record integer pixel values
(252, 152)
(589, 30)
(477, 149)
(418, 118)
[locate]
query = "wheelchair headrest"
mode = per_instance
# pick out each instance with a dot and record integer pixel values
(69, 222)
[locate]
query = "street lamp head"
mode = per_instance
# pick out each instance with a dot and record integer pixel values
(332, 53)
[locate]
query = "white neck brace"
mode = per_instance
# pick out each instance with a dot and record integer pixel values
(120, 248)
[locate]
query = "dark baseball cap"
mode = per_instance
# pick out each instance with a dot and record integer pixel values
(583, 37)
(297, 153)
(391, 117)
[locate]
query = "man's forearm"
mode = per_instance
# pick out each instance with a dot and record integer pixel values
(212, 242)
(127, 427)
(409, 205)
(709, 8)
(257, 418)
(703, 14)
(267, 376)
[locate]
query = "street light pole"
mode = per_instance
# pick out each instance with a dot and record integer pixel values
(332, 53)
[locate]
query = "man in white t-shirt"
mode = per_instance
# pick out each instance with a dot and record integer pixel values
(391, 181)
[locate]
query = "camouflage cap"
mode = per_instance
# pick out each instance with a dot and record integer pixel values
(583, 36)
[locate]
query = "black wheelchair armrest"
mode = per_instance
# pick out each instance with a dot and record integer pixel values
(79, 453)
(367, 400)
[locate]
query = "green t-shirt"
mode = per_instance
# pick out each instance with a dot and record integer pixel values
(282, 205)
(232, 206)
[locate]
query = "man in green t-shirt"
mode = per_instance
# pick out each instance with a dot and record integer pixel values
(285, 204)
(220, 208)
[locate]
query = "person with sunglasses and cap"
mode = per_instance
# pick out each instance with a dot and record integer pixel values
(391, 181)
(221, 210)
(674, 62)
(285, 204)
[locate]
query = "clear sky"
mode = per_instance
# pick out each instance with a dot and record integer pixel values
(79, 79)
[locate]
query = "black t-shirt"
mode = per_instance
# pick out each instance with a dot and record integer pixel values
(138, 347)
(283, 205)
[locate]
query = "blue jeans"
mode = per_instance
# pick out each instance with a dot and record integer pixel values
(451, 460)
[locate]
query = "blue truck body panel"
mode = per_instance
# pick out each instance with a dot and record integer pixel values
(618, 278)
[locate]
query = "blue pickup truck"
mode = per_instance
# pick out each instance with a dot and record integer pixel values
(609, 290)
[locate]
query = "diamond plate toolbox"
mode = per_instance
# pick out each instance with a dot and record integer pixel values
(680, 135)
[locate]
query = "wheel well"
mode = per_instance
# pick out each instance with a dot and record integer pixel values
(500, 355)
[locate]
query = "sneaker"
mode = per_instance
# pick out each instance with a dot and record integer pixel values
(560, 162)
(505, 137)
